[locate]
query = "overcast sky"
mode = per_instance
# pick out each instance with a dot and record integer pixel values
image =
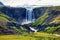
(15, 3)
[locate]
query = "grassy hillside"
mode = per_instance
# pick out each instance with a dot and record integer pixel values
(53, 29)
(40, 20)
(34, 36)
(56, 20)
(4, 20)
(57, 8)
(50, 20)
(3, 17)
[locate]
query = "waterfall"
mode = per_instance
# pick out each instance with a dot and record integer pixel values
(30, 17)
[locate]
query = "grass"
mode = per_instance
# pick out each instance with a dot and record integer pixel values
(56, 8)
(3, 26)
(34, 36)
(52, 29)
(19, 30)
(56, 20)
(3, 17)
(40, 20)
(41, 34)
(6, 18)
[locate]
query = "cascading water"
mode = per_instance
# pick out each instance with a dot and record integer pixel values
(30, 17)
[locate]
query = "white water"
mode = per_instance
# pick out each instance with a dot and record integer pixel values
(30, 17)
(35, 30)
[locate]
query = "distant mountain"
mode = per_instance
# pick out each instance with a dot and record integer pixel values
(1, 4)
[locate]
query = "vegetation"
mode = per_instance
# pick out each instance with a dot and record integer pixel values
(56, 20)
(52, 29)
(40, 20)
(56, 8)
(21, 30)
(4, 20)
(34, 36)
(3, 17)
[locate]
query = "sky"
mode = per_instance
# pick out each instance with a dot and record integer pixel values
(15, 3)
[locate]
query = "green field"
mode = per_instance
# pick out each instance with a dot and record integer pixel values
(34, 36)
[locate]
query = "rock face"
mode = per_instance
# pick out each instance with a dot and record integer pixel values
(17, 14)
(39, 11)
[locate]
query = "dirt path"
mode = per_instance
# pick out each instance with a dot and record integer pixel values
(56, 34)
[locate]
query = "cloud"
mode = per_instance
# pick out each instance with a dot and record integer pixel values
(15, 3)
